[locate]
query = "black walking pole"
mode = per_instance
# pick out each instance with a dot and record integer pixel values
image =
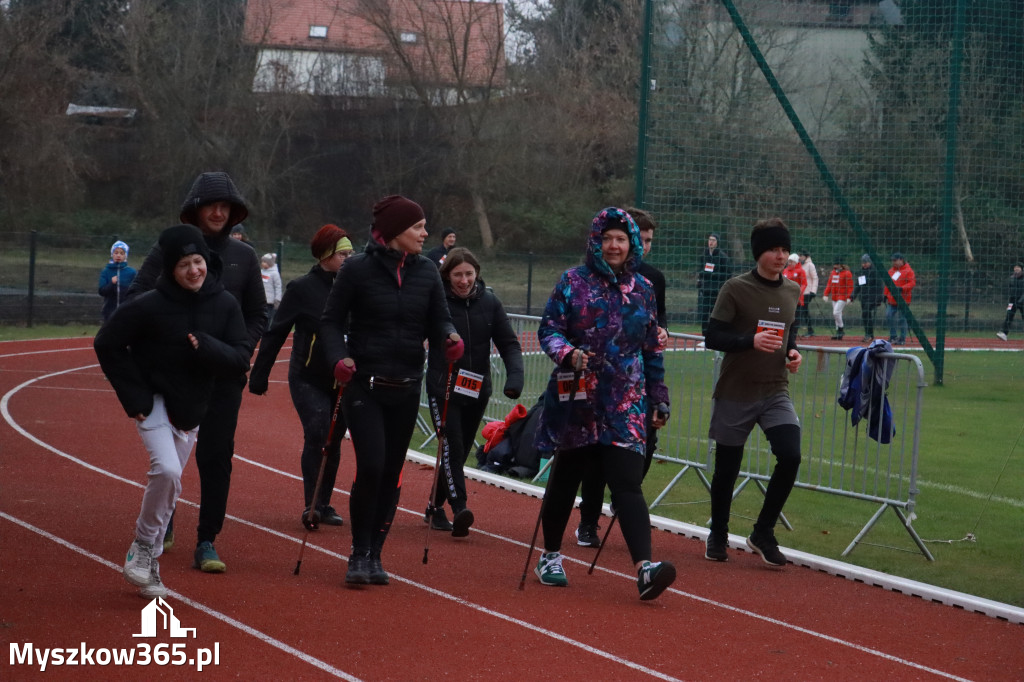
(442, 443)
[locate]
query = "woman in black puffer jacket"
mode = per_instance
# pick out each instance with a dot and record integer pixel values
(393, 301)
(311, 379)
(479, 318)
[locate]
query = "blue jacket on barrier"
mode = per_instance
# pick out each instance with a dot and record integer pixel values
(868, 398)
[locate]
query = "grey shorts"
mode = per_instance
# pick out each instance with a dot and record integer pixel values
(732, 421)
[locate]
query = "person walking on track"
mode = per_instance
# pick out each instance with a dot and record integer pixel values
(311, 379)
(115, 279)
(753, 323)
(479, 319)
(867, 288)
(839, 288)
(393, 300)
(215, 206)
(601, 317)
(713, 273)
(1016, 299)
(163, 353)
(902, 275)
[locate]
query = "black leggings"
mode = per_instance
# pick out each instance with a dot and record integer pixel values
(592, 488)
(315, 406)
(623, 469)
(461, 423)
(381, 421)
(215, 447)
(785, 443)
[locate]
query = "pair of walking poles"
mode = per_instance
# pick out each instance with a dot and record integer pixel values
(577, 372)
(311, 520)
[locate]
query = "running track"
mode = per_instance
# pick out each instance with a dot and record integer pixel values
(72, 468)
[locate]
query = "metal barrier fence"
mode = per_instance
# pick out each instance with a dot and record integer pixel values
(837, 457)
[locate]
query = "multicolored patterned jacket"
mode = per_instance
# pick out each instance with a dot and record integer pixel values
(613, 316)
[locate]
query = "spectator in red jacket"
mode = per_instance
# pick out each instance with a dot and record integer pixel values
(839, 288)
(902, 276)
(795, 272)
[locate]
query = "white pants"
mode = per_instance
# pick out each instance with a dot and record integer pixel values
(169, 449)
(837, 312)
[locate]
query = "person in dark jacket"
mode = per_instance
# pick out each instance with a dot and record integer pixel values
(115, 279)
(713, 273)
(310, 378)
(393, 301)
(868, 288)
(440, 252)
(163, 353)
(479, 318)
(1016, 299)
(214, 205)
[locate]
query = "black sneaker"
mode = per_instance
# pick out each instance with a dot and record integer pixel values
(377, 574)
(358, 567)
(654, 578)
(330, 516)
(437, 519)
(767, 547)
(586, 535)
(716, 548)
(461, 522)
(310, 521)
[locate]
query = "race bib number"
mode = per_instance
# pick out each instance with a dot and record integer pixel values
(469, 383)
(896, 276)
(1009, 306)
(566, 391)
(862, 280)
(776, 328)
(709, 267)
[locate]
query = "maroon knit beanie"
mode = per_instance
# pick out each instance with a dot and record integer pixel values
(394, 215)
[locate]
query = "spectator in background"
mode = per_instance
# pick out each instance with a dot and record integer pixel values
(238, 232)
(714, 271)
(115, 279)
(311, 381)
(902, 276)
(839, 289)
(1013, 305)
(438, 253)
(479, 318)
(868, 288)
(795, 272)
(271, 284)
(811, 271)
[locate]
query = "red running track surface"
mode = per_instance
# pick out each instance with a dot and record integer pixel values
(72, 469)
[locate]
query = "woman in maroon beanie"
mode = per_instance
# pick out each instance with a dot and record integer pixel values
(393, 301)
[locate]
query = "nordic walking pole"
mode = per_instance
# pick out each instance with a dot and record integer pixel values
(442, 445)
(577, 370)
(311, 519)
(601, 546)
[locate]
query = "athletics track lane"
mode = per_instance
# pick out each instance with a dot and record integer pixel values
(460, 616)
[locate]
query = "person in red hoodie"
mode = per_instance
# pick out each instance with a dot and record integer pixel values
(902, 276)
(795, 272)
(839, 288)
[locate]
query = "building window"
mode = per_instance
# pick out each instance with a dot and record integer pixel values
(317, 31)
(408, 37)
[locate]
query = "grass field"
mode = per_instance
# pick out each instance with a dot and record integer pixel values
(971, 486)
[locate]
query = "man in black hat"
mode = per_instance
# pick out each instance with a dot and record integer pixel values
(1016, 299)
(714, 271)
(215, 206)
(868, 288)
(440, 252)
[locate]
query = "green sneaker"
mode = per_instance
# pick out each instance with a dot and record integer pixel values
(549, 570)
(169, 540)
(206, 559)
(654, 578)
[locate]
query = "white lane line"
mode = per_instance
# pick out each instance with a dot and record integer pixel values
(249, 630)
(483, 609)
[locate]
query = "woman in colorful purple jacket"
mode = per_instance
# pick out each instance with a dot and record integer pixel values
(602, 317)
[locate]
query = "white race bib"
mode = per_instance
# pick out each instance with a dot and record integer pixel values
(469, 383)
(862, 280)
(709, 267)
(776, 328)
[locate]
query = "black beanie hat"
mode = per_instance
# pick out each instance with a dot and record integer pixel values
(394, 215)
(767, 234)
(446, 231)
(180, 241)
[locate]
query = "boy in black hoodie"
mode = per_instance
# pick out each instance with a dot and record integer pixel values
(163, 353)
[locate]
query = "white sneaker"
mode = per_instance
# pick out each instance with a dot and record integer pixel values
(1001, 335)
(138, 564)
(155, 588)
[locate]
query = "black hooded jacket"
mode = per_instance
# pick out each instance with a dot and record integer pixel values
(478, 319)
(241, 274)
(392, 302)
(144, 348)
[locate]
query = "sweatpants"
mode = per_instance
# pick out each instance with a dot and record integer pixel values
(623, 470)
(214, 451)
(461, 424)
(315, 407)
(168, 449)
(381, 421)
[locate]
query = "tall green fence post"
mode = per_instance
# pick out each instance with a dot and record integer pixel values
(33, 236)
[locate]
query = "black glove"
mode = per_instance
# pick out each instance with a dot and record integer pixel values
(257, 385)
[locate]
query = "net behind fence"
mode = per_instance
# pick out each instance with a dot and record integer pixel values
(870, 127)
